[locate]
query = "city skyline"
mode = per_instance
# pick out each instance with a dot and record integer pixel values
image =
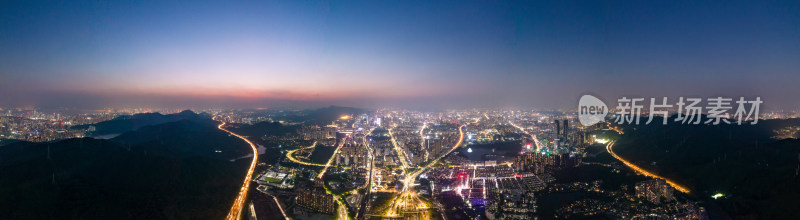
(372, 54)
(368, 110)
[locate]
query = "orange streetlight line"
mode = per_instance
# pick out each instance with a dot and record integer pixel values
(642, 171)
(236, 209)
(291, 157)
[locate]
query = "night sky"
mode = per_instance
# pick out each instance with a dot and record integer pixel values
(394, 53)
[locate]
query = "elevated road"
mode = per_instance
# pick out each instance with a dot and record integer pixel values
(291, 157)
(610, 149)
(238, 204)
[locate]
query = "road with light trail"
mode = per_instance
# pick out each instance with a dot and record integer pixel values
(610, 149)
(362, 207)
(675, 185)
(408, 199)
(331, 159)
(291, 157)
(533, 136)
(238, 204)
(341, 210)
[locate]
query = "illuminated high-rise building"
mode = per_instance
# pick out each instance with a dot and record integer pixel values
(316, 199)
(558, 130)
(654, 190)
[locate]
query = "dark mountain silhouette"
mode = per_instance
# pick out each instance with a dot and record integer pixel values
(8, 141)
(126, 123)
(325, 115)
(261, 129)
(185, 138)
(743, 161)
(165, 171)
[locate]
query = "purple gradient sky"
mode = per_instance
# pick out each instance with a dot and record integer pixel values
(379, 53)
